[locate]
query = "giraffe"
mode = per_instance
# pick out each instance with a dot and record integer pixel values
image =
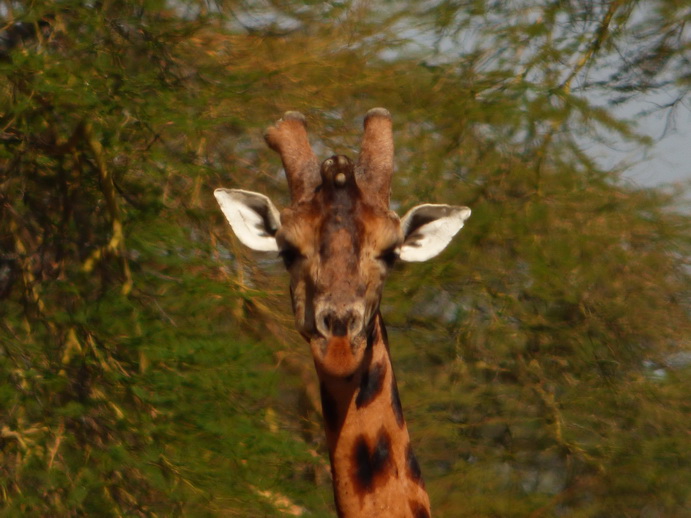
(338, 240)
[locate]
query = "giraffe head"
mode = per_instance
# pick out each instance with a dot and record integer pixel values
(338, 238)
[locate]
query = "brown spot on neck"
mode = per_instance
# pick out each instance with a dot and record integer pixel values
(419, 509)
(371, 462)
(371, 384)
(412, 467)
(396, 405)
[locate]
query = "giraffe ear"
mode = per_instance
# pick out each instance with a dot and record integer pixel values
(427, 229)
(255, 220)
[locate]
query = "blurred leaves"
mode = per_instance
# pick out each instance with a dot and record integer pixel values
(150, 362)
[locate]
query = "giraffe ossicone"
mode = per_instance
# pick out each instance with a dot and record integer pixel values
(338, 240)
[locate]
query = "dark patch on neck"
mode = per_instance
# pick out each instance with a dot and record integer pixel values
(371, 336)
(419, 510)
(377, 332)
(371, 384)
(412, 467)
(329, 408)
(371, 466)
(383, 332)
(396, 402)
(337, 502)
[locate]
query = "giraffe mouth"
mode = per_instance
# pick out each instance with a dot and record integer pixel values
(338, 356)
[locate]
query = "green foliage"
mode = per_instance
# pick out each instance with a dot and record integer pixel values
(151, 366)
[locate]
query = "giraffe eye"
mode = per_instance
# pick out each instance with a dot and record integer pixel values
(289, 254)
(389, 256)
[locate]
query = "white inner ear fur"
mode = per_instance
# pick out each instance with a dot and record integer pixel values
(427, 229)
(254, 218)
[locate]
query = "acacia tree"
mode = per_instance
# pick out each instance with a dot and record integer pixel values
(541, 362)
(129, 392)
(558, 322)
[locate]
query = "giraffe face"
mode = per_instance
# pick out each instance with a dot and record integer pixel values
(338, 250)
(338, 238)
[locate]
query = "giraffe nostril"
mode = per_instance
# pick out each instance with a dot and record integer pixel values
(348, 323)
(326, 323)
(354, 323)
(333, 325)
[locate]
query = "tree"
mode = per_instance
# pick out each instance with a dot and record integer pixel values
(153, 370)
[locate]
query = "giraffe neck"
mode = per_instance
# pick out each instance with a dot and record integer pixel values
(374, 470)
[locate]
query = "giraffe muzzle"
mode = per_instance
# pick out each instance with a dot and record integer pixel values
(339, 346)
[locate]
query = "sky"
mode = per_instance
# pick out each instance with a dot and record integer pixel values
(669, 159)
